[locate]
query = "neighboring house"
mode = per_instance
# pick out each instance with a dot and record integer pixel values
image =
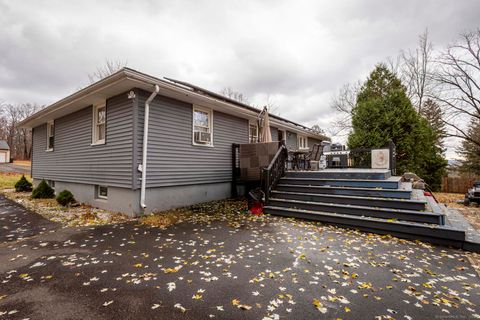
(92, 142)
(4, 152)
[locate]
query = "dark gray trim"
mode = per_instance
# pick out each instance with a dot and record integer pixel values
(405, 204)
(443, 235)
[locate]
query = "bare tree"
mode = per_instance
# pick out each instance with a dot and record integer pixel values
(317, 129)
(19, 139)
(344, 102)
(109, 68)
(234, 95)
(416, 71)
(458, 76)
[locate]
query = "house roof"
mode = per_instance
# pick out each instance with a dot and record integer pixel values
(127, 79)
(4, 145)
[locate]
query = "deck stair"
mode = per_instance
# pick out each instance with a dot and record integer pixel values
(365, 199)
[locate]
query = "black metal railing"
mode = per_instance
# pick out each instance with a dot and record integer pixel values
(235, 169)
(274, 171)
(359, 158)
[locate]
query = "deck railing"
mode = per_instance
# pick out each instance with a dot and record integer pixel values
(359, 158)
(274, 171)
(235, 169)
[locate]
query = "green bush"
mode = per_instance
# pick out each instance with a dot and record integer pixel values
(23, 185)
(65, 198)
(43, 191)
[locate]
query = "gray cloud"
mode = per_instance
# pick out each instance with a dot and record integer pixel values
(295, 53)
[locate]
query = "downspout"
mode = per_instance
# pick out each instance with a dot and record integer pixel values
(145, 146)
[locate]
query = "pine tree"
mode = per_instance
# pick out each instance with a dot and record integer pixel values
(383, 112)
(432, 112)
(471, 151)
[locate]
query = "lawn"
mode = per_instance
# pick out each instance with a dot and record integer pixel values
(8, 180)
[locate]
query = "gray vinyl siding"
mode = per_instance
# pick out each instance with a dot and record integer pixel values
(172, 158)
(312, 141)
(75, 160)
(274, 132)
(292, 140)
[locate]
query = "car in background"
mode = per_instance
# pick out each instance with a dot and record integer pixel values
(473, 194)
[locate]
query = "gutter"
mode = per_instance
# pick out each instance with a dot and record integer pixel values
(145, 146)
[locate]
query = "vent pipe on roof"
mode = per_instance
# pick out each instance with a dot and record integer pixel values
(145, 146)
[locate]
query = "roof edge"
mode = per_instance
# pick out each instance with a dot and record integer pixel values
(126, 73)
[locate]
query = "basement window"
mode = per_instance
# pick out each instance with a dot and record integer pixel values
(50, 135)
(102, 192)
(51, 183)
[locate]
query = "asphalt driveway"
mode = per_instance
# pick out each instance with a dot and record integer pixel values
(14, 168)
(266, 268)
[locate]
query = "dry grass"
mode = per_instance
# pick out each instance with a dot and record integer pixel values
(450, 199)
(25, 163)
(8, 180)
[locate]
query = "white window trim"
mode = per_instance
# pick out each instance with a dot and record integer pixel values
(253, 123)
(306, 142)
(210, 121)
(49, 123)
(94, 124)
(98, 192)
(284, 134)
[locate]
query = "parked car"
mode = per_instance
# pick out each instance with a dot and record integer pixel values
(473, 194)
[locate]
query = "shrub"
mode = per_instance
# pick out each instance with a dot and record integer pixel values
(43, 191)
(23, 185)
(65, 198)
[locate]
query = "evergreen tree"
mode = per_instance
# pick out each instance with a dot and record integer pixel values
(432, 112)
(471, 151)
(383, 112)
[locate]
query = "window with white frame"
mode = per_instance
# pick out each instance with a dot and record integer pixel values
(99, 121)
(253, 133)
(302, 142)
(51, 183)
(102, 192)
(50, 135)
(202, 127)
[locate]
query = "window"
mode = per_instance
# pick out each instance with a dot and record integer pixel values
(102, 192)
(50, 135)
(253, 133)
(302, 142)
(99, 120)
(202, 127)
(51, 183)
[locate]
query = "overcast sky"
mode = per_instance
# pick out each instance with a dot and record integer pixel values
(295, 53)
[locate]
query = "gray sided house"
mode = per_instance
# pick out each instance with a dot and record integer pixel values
(92, 142)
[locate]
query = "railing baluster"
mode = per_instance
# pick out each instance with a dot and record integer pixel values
(274, 171)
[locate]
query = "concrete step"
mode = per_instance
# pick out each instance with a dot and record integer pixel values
(362, 174)
(346, 191)
(362, 211)
(391, 183)
(444, 235)
(405, 204)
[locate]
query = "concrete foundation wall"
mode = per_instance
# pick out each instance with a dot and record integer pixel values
(164, 198)
(127, 201)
